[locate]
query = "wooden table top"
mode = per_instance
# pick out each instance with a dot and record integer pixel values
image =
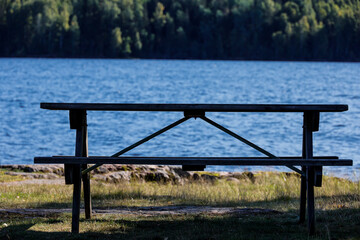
(196, 107)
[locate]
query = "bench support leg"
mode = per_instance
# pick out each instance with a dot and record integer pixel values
(311, 124)
(86, 177)
(87, 195)
(76, 199)
(303, 197)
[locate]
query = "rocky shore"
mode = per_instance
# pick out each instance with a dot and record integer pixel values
(119, 173)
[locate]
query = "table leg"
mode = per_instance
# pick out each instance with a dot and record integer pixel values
(311, 200)
(303, 178)
(311, 123)
(78, 122)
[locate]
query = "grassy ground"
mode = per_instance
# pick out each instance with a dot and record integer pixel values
(337, 205)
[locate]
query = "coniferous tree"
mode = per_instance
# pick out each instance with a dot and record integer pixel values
(206, 29)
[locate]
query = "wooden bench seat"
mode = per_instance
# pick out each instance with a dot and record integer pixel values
(228, 161)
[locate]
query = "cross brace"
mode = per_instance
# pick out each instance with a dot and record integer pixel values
(188, 115)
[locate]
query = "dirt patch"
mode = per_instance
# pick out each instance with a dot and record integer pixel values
(149, 211)
(35, 181)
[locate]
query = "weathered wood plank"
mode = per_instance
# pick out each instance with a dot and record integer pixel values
(194, 161)
(197, 107)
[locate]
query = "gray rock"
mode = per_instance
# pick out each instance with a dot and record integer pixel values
(121, 176)
(102, 169)
(181, 173)
(153, 167)
(137, 175)
(48, 168)
(142, 168)
(232, 179)
(118, 173)
(244, 175)
(48, 176)
(179, 180)
(119, 167)
(130, 167)
(158, 176)
(114, 177)
(207, 177)
(196, 177)
(99, 177)
(18, 174)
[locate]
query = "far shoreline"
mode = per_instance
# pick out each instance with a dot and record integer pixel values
(179, 59)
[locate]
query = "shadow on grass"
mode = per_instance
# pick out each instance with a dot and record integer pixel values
(332, 224)
(98, 201)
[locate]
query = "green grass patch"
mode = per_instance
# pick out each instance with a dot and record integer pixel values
(214, 174)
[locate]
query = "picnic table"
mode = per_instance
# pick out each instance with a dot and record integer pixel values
(77, 169)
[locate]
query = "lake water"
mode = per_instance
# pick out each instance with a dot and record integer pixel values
(29, 131)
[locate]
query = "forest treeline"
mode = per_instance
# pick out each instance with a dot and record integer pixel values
(194, 29)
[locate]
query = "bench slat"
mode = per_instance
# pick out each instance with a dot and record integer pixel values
(193, 161)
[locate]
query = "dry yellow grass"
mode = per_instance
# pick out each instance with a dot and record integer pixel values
(337, 204)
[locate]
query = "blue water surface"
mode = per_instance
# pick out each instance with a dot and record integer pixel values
(27, 131)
